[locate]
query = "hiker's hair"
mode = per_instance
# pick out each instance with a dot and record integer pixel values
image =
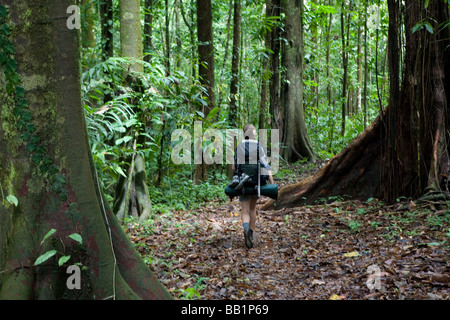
(249, 132)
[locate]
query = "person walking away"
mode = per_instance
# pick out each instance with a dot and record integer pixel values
(245, 157)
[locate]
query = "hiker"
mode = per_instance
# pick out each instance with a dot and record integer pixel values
(245, 161)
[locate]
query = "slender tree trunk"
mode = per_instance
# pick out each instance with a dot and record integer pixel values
(274, 7)
(205, 68)
(225, 56)
(234, 85)
(46, 164)
(148, 30)
(330, 100)
(167, 37)
(192, 38)
(359, 67)
(264, 76)
(366, 63)
(295, 135)
(345, 68)
(107, 23)
(206, 50)
(131, 32)
(131, 191)
(178, 35)
(330, 25)
(87, 18)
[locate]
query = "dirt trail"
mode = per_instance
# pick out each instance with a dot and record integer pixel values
(346, 250)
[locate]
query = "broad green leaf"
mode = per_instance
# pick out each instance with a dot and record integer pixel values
(429, 27)
(212, 113)
(44, 257)
(13, 200)
(52, 231)
(427, 2)
(63, 260)
(120, 171)
(76, 237)
(200, 114)
(417, 27)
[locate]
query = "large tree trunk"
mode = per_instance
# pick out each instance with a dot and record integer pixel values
(46, 164)
(354, 172)
(294, 133)
(404, 152)
(417, 156)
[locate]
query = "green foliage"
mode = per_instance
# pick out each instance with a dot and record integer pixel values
(178, 192)
(12, 200)
(50, 253)
(122, 107)
(44, 257)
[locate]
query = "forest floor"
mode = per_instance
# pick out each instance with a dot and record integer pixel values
(341, 250)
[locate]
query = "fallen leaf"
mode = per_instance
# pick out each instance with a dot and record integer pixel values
(337, 297)
(351, 254)
(317, 282)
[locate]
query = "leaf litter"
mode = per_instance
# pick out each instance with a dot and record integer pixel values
(325, 251)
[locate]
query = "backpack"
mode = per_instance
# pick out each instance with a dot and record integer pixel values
(253, 170)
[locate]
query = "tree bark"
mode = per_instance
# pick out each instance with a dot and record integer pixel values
(107, 27)
(46, 164)
(294, 133)
(205, 68)
(148, 30)
(206, 51)
(418, 115)
(344, 38)
(131, 32)
(274, 7)
(234, 85)
(87, 16)
(191, 37)
(167, 37)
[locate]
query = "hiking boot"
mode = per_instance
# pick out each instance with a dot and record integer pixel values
(247, 236)
(234, 182)
(243, 180)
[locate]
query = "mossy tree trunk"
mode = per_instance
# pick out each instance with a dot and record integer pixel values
(45, 163)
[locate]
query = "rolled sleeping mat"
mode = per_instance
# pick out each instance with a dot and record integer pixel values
(268, 190)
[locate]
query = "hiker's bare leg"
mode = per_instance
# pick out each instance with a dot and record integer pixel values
(245, 213)
(252, 213)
